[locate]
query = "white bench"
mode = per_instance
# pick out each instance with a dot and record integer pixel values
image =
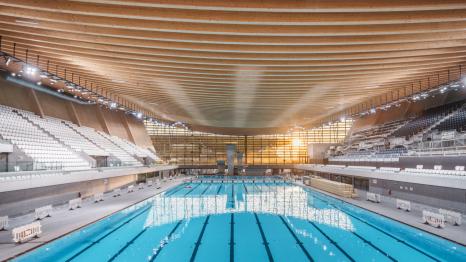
(116, 192)
(433, 219)
(98, 197)
(403, 205)
(141, 186)
(75, 203)
(373, 197)
(150, 183)
(130, 188)
(26, 232)
(451, 217)
(3, 223)
(43, 212)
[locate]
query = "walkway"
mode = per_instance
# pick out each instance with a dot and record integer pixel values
(64, 221)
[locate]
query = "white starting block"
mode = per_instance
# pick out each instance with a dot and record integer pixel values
(3, 223)
(116, 192)
(43, 212)
(98, 197)
(141, 186)
(75, 203)
(150, 183)
(403, 205)
(373, 197)
(451, 217)
(130, 188)
(26, 232)
(433, 219)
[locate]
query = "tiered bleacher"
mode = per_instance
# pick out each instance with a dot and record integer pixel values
(66, 135)
(438, 131)
(111, 148)
(55, 144)
(430, 117)
(45, 151)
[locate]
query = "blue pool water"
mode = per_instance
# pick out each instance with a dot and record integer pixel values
(245, 221)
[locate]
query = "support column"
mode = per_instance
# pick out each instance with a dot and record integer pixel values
(231, 150)
(124, 120)
(101, 118)
(37, 107)
(73, 114)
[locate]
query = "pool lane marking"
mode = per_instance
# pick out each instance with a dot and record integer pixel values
(378, 229)
(176, 190)
(219, 188)
(245, 188)
(127, 244)
(264, 239)
(198, 242)
(194, 187)
(165, 242)
(303, 248)
(106, 235)
(205, 190)
(232, 237)
(331, 241)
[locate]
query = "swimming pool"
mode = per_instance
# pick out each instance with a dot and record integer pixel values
(211, 220)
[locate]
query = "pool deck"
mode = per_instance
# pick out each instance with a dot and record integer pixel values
(64, 221)
(413, 218)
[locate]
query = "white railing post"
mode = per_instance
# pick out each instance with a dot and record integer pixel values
(433, 219)
(74, 203)
(26, 232)
(141, 186)
(116, 192)
(403, 205)
(98, 197)
(43, 212)
(373, 197)
(3, 223)
(130, 189)
(451, 217)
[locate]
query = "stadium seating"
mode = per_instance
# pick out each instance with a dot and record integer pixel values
(54, 144)
(111, 148)
(427, 119)
(46, 152)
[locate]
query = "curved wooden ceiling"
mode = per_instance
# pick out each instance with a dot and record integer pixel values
(244, 63)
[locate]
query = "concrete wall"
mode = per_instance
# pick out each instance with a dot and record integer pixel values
(24, 201)
(440, 197)
(114, 122)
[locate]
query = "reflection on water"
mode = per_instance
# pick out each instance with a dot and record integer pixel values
(278, 199)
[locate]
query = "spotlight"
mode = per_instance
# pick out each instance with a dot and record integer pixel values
(373, 110)
(8, 61)
(342, 119)
(13, 74)
(113, 105)
(31, 70)
(39, 83)
(139, 115)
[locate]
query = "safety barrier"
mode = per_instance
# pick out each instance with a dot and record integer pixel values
(75, 203)
(150, 183)
(26, 232)
(433, 219)
(130, 188)
(403, 205)
(141, 186)
(3, 223)
(340, 189)
(451, 217)
(43, 212)
(116, 192)
(373, 197)
(98, 197)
